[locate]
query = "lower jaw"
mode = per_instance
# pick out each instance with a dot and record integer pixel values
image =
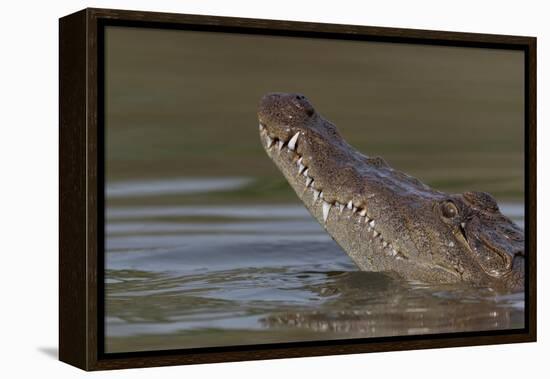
(361, 242)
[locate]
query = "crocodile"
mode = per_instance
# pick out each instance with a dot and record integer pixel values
(384, 219)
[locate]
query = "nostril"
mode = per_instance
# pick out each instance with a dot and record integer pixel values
(300, 97)
(519, 253)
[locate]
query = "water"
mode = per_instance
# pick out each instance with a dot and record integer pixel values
(144, 188)
(185, 276)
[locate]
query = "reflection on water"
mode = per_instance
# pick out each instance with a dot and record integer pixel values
(262, 211)
(196, 276)
(174, 186)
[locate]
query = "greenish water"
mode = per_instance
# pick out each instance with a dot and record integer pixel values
(207, 245)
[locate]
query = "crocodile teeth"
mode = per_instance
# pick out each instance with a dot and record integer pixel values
(371, 223)
(292, 142)
(301, 168)
(326, 210)
(280, 144)
(269, 141)
(363, 213)
(308, 182)
(341, 206)
(299, 161)
(375, 233)
(315, 195)
(384, 244)
(306, 172)
(350, 205)
(261, 126)
(354, 210)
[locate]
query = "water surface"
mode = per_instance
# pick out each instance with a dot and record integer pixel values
(216, 275)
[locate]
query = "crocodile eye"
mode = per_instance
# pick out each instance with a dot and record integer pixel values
(449, 210)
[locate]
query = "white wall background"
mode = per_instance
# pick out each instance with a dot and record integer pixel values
(29, 177)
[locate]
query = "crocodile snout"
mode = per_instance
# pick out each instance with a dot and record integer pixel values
(285, 109)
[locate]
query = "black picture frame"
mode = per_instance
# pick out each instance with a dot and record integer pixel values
(81, 181)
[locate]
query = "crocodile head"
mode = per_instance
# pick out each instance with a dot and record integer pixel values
(384, 219)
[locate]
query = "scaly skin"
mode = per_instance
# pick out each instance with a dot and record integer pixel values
(386, 220)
